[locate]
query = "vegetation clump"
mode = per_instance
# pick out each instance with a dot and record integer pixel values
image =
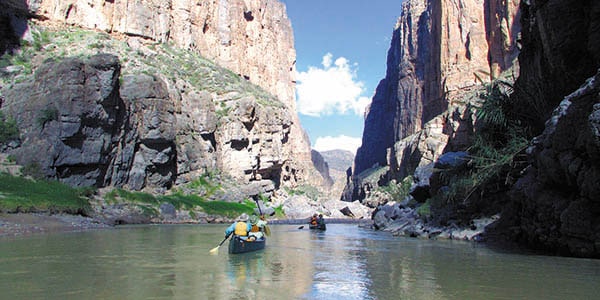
(8, 129)
(19, 194)
(309, 191)
(397, 191)
(497, 149)
(150, 204)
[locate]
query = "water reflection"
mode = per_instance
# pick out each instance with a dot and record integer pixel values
(345, 262)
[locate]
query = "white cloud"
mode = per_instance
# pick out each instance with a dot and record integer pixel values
(341, 142)
(330, 89)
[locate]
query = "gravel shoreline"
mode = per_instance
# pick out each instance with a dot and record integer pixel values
(33, 223)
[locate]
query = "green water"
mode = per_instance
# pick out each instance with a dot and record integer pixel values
(345, 262)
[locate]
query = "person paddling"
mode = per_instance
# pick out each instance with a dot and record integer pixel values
(321, 221)
(240, 228)
(313, 220)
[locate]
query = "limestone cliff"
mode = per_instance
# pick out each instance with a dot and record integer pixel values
(439, 51)
(169, 117)
(252, 38)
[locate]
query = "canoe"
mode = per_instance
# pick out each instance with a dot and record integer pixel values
(318, 227)
(238, 245)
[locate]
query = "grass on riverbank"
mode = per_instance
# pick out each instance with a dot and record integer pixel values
(19, 194)
(180, 201)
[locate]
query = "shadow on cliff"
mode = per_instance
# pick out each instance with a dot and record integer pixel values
(13, 24)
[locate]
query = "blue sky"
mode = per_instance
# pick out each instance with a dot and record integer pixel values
(341, 52)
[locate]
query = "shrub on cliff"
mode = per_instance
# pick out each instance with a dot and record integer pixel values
(498, 146)
(8, 129)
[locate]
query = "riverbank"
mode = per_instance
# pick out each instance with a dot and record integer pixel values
(19, 224)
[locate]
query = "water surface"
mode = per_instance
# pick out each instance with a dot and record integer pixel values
(345, 262)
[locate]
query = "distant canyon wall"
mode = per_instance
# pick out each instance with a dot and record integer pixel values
(440, 50)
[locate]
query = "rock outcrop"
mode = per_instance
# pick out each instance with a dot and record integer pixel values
(92, 129)
(252, 38)
(339, 162)
(555, 205)
(322, 166)
(157, 130)
(440, 50)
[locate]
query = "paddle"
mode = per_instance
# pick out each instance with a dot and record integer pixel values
(215, 250)
(301, 227)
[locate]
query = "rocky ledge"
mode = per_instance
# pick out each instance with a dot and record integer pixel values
(401, 219)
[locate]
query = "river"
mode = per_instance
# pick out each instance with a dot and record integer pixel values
(344, 262)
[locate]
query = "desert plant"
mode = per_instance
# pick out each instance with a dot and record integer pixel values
(8, 129)
(398, 191)
(33, 170)
(498, 142)
(47, 115)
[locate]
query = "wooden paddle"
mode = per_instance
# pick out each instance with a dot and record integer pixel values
(215, 250)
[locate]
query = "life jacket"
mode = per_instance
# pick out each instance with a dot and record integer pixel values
(241, 229)
(313, 221)
(255, 228)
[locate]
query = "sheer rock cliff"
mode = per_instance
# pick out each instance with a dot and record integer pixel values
(440, 50)
(555, 205)
(117, 125)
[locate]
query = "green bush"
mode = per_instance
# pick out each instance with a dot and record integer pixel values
(46, 116)
(425, 209)
(279, 213)
(8, 129)
(499, 141)
(306, 190)
(398, 191)
(33, 170)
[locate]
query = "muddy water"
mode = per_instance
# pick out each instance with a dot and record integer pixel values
(345, 262)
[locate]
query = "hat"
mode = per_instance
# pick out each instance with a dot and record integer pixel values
(253, 220)
(242, 218)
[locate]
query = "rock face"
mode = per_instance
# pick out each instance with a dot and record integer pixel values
(13, 23)
(322, 166)
(252, 38)
(92, 129)
(68, 118)
(555, 205)
(440, 50)
(560, 43)
(158, 132)
(339, 162)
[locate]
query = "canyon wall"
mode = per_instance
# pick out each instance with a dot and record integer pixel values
(440, 51)
(555, 205)
(258, 143)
